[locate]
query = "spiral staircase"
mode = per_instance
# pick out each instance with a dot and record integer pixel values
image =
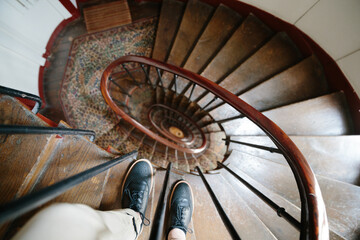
(178, 115)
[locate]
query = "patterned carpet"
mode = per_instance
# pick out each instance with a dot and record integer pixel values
(80, 95)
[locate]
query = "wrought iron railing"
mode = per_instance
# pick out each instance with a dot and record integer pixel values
(157, 74)
(24, 95)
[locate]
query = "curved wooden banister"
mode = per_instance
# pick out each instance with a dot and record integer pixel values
(313, 215)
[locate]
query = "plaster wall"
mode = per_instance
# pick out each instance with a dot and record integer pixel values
(25, 28)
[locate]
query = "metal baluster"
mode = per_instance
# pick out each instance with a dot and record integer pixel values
(270, 149)
(147, 75)
(120, 87)
(192, 90)
(279, 210)
(158, 221)
(210, 102)
(176, 77)
(131, 76)
(160, 79)
(219, 208)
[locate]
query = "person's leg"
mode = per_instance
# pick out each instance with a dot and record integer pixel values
(181, 210)
(78, 221)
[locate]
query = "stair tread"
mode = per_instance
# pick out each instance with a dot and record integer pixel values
(13, 112)
(303, 81)
(205, 215)
(245, 221)
(169, 21)
(224, 20)
(216, 142)
(335, 157)
(249, 36)
(275, 56)
(194, 20)
(19, 158)
(341, 199)
(325, 115)
(73, 155)
(277, 225)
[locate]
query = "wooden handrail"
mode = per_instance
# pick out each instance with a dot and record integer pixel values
(314, 224)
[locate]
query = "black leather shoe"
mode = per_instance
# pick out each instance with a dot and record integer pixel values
(136, 187)
(181, 206)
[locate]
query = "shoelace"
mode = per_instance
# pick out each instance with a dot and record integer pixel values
(180, 219)
(135, 204)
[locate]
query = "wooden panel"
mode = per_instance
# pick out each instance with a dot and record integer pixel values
(105, 16)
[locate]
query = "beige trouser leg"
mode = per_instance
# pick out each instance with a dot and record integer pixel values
(78, 222)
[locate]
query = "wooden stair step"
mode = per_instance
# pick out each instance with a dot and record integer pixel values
(159, 158)
(325, 115)
(216, 144)
(193, 22)
(277, 225)
(251, 35)
(169, 21)
(274, 57)
(224, 21)
(341, 199)
(146, 149)
(13, 112)
(21, 156)
(303, 81)
(334, 157)
(245, 221)
(71, 155)
(205, 215)
(206, 163)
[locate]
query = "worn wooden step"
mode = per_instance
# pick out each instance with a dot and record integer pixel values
(274, 57)
(159, 158)
(251, 35)
(69, 156)
(13, 112)
(169, 21)
(21, 157)
(303, 81)
(335, 157)
(277, 225)
(245, 221)
(218, 30)
(216, 144)
(341, 199)
(193, 22)
(205, 215)
(325, 115)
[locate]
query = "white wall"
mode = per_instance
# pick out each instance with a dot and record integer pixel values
(25, 28)
(333, 24)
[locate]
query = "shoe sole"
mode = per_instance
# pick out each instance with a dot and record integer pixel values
(192, 195)
(129, 170)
